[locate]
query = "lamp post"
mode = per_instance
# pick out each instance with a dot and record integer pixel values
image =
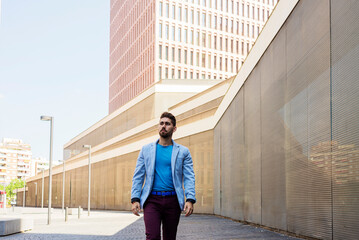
(89, 191)
(51, 119)
(63, 184)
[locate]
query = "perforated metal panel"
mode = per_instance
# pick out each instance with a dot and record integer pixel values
(345, 87)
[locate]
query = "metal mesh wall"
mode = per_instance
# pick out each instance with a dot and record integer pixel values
(345, 117)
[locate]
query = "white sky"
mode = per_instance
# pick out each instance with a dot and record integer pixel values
(54, 58)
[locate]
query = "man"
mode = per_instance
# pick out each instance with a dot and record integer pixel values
(165, 165)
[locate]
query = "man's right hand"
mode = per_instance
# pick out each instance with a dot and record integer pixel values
(136, 208)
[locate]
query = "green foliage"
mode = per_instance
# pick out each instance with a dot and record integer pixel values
(10, 189)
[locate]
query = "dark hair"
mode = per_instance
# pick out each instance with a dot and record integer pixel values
(170, 116)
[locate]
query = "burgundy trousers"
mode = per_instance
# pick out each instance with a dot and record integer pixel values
(165, 210)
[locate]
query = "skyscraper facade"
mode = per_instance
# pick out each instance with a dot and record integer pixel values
(175, 39)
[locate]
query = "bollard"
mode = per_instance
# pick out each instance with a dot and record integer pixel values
(66, 214)
(79, 212)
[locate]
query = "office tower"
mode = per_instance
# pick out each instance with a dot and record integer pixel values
(175, 39)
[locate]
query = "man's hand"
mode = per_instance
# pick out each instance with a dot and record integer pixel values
(136, 208)
(188, 208)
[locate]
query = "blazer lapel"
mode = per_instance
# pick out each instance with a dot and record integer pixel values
(175, 151)
(153, 157)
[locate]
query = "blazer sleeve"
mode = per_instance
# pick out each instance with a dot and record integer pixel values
(138, 176)
(189, 177)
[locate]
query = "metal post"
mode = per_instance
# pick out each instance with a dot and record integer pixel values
(50, 173)
(63, 186)
(42, 190)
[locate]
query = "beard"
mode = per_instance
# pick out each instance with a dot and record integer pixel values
(165, 134)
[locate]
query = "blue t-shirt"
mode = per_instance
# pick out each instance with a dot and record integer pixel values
(163, 173)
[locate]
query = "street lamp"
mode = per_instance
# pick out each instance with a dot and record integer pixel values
(51, 119)
(63, 184)
(89, 191)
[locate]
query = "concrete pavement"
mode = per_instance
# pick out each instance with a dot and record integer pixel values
(124, 225)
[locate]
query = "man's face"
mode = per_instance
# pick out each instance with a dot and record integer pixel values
(166, 128)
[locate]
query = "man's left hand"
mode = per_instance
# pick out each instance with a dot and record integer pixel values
(188, 208)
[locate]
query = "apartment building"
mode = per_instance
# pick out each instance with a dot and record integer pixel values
(174, 39)
(15, 160)
(39, 164)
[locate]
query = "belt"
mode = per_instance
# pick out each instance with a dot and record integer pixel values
(164, 193)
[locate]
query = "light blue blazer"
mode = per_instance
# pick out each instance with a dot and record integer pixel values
(182, 172)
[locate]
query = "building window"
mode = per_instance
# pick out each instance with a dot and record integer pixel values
(209, 61)
(191, 37)
(242, 29)
(237, 8)
(166, 32)
(192, 17)
(172, 33)
(191, 75)
(231, 65)
(232, 46)
(198, 19)
(237, 47)
(215, 62)
(247, 48)
(173, 54)
(252, 31)
(248, 11)
(203, 76)
(242, 9)
(185, 75)
(160, 30)
(179, 74)
(160, 51)
(209, 40)
(203, 39)
(220, 43)
(226, 42)
(185, 56)
(215, 42)
(247, 29)
(186, 15)
(166, 53)
(185, 35)
(197, 59)
(179, 55)
(203, 19)
(179, 13)
(231, 25)
(226, 65)
(197, 75)
(215, 22)
(160, 9)
(237, 66)
(197, 38)
(220, 23)
(179, 34)
(173, 12)
(242, 48)
(203, 60)
(167, 10)
(172, 73)
(166, 73)
(191, 58)
(209, 20)
(226, 25)
(220, 63)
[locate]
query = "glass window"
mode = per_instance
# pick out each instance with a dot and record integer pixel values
(179, 14)
(197, 59)
(185, 56)
(160, 9)
(191, 16)
(220, 23)
(186, 15)
(258, 13)
(232, 46)
(172, 73)
(204, 3)
(248, 11)
(220, 43)
(253, 12)
(226, 25)
(237, 8)
(167, 9)
(197, 76)
(237, 47)
(231, 26)
(232, 6)
(197, 38)
(191, 58)
(191, 75)
(252, 31)
(226, 42)
(231, 65)
(242, 47)
(166, 52)
(203, 39)
(173, 54)
(173, 11)
(203, 19)
(160, 51)
(179, 55)
(179, 34)
(172, 33)
(166, 32)
(237, 66)
(257, 31)
(203, 76)
(242, 29)
(166, 73)
(247, 48)
(185, 74)
(220, 63)
(242, 9)
(198, 18)
(209, 61)
(215, 42)
(203, 60)
(247, 29)
(159, 72)
(185, 35)
(192, 37)
(209, 20)
(179, 74)
(226, 65)
(215, 22)
(215, 62)
(209, 40)
(160, 30)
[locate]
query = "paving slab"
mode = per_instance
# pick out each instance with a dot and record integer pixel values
(111, 225)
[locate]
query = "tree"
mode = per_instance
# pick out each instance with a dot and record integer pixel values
(14, 184)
